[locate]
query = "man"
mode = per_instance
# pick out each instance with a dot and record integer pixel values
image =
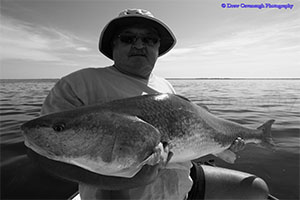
(134, 40)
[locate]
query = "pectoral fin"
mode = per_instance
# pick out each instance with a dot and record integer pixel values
(161, 155)
(227, 156)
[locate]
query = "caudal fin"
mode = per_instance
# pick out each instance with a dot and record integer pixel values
(267, 136)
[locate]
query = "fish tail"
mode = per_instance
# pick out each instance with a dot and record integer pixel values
(266, 135)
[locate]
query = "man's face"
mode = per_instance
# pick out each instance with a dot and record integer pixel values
(135, 51)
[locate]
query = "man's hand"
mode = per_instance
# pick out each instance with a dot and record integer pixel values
(237, 145)
(229, 155)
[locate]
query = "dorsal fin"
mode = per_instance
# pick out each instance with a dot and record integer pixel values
(182, 97)
(199, 104)
(204, 106)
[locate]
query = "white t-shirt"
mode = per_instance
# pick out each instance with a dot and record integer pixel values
(99, 85)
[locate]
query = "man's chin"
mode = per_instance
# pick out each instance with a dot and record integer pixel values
(139, 62)
(141, 58)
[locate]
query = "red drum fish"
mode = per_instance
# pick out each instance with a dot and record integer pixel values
(119, 137)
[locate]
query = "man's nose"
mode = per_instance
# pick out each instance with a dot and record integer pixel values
(139, 44)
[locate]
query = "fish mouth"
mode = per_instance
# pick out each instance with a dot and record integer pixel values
(39, 150)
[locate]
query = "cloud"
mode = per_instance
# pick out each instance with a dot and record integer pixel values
(82, 49)
(270, 42)
(22, 40)
(266, 51)
(176, 54)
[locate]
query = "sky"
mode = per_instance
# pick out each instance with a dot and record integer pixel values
(52, 38)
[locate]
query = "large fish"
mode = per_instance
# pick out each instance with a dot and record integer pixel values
(119, 137)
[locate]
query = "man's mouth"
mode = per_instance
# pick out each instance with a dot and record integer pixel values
(133, 55)
(137, 53)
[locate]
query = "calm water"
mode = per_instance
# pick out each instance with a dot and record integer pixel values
(249, 102)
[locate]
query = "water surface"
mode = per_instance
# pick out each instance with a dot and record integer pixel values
(249, 102)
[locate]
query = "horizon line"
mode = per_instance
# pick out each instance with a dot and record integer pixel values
(239, 78)
(181, 78)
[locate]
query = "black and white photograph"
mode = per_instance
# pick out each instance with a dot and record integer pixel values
(150, 99)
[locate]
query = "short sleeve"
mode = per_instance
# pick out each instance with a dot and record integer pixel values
(61, 97)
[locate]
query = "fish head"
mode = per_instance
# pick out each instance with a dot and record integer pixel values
(48, 133)
(104, 142)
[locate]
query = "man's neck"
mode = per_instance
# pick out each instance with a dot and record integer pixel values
(144, 77)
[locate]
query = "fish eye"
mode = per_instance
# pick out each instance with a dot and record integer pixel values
(59, 127)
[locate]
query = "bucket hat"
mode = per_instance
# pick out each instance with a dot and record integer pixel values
(130, 17)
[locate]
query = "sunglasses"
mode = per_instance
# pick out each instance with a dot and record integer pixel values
(149, 40)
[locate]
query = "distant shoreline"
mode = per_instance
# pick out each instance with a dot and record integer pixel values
(233, 78)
